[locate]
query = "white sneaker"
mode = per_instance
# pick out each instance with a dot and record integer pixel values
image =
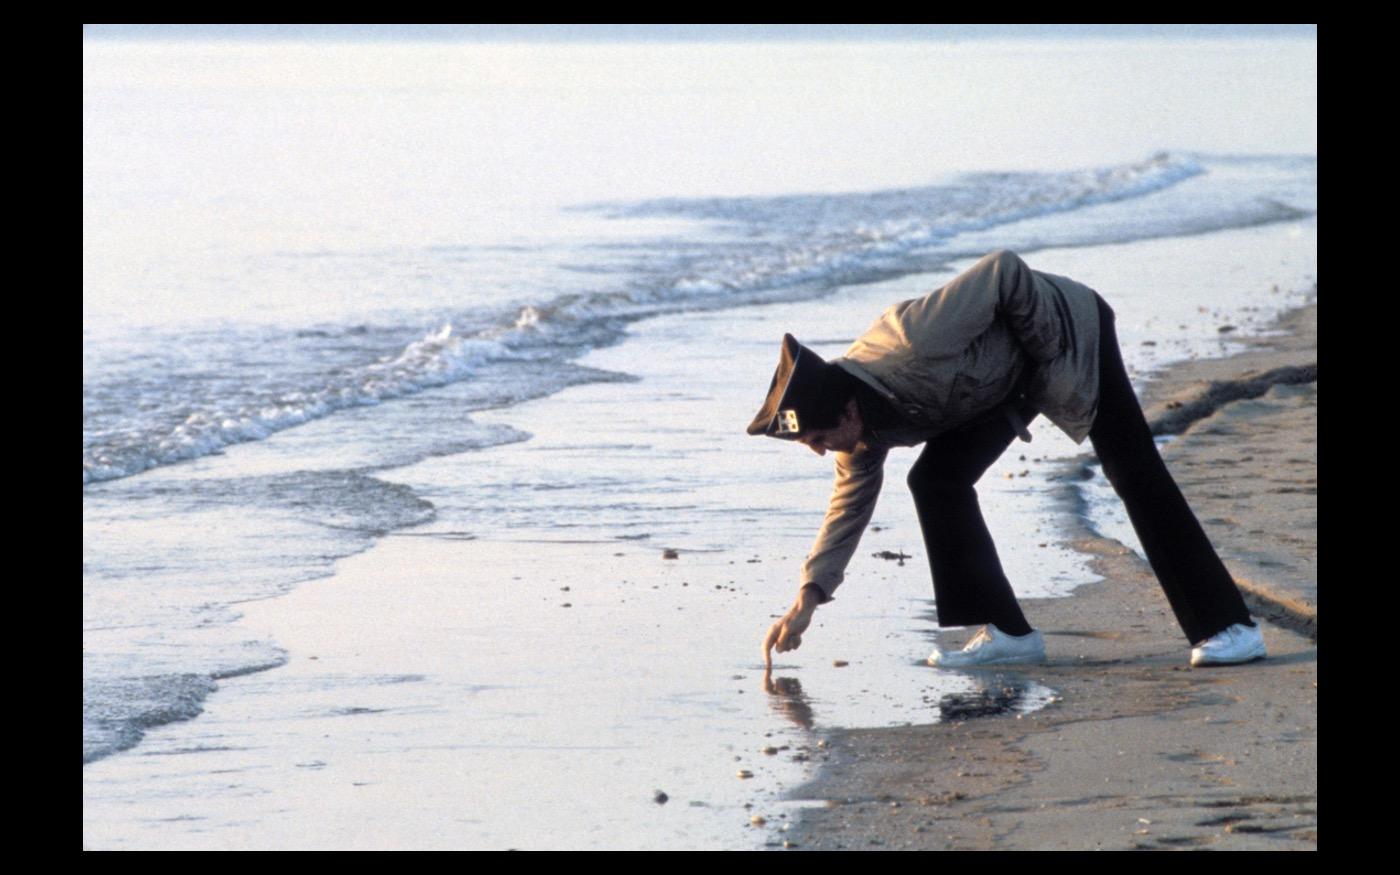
(1239, 643)
(991, 646)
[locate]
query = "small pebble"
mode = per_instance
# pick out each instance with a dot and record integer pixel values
(770, 750)
(668, 553)
(758, 820)
(745, 773)
(567, 605)
(821, 742)
(840, 663)
(564, 589)
(660, 798)
(788, 843)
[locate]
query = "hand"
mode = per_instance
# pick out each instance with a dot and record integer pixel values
(786, 634)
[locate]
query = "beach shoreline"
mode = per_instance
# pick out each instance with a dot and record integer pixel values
(537, 679)
(1137, 751)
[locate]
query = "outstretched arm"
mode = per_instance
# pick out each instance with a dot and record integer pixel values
(859, 476)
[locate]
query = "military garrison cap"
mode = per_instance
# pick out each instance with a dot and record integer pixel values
(798, 389)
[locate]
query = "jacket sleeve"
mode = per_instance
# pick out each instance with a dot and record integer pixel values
(859, 476)
(1030, 306)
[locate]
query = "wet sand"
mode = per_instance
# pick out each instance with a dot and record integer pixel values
(1138, 750)
(1248, 463)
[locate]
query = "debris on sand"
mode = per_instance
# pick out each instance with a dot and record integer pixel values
(886, 554)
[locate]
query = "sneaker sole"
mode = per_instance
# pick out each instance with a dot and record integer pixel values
(1008, 660)
(1207, 662)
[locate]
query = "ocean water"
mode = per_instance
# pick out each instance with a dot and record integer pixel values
(342, 295)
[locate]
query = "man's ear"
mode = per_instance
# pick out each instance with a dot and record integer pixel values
(852, 409)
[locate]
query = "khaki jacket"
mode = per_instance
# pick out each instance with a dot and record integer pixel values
(951, 357)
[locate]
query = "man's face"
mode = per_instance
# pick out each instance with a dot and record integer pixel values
(843, 438)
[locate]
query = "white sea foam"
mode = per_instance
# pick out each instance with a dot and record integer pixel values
(435, 359)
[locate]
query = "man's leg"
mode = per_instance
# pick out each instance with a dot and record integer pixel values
(1201, 592)
(969, 586)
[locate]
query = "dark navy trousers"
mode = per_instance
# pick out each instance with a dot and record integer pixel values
(970, 588)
